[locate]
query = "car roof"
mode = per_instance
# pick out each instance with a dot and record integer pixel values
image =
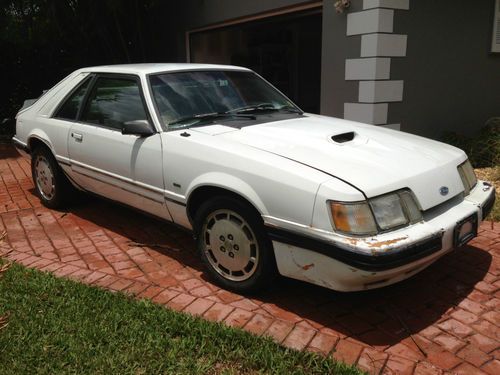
(150, 68)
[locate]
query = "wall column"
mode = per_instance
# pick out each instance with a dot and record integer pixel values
(379, 45)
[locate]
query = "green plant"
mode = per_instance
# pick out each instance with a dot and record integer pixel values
(483, 149)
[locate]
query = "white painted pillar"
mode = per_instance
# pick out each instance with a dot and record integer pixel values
(379, 45)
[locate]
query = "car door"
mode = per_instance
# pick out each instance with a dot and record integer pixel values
(123, 167)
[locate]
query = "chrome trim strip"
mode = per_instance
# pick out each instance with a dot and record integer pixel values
(166, 194)
(19, 142)
(63, 160)
(21, 146)
(118, 177)
(174, 197)
(276, 222)
(175, 201)
(125, 189)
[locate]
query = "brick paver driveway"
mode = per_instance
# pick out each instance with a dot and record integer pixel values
(446, 318)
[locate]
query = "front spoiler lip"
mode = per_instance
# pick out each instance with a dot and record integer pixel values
(364, 262)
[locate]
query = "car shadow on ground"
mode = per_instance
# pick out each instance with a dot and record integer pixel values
(380, 318)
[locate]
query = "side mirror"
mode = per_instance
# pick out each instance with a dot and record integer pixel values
(141, 128)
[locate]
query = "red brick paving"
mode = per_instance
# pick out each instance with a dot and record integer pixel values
(445, 319)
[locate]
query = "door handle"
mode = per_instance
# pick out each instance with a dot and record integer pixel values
(78, 137)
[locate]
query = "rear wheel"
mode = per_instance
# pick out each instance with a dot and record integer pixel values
(234, 246)
(51, 185)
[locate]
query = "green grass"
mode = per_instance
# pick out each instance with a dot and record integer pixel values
(60, 326)
(483, 149)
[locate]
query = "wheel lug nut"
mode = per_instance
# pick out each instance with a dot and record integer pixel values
(236, 247)
(221, 238)
(223, 249)
(230, 237)
(231, 254)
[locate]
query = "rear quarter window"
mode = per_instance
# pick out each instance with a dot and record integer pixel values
(70, 107)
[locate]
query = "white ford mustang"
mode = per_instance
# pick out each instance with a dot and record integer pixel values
(265, 187)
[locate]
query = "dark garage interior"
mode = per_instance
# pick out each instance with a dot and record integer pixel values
(285, 49)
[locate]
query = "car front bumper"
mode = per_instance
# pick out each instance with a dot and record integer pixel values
(349, 263)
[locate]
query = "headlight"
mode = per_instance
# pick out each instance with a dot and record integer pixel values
(388, 211)
(468, 176)
(378, 214)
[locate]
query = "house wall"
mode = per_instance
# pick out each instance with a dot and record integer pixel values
(336, 47)
(451, 82)
(358, 67)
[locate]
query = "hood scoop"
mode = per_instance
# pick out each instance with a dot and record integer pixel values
(343, 137)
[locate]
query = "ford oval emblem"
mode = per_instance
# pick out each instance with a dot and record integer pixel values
(444, 190)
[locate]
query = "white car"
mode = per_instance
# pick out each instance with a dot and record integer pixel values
(265, 187)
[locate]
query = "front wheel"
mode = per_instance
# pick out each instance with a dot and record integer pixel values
(234, 246)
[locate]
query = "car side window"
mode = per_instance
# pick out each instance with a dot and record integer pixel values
(69, 110)
(114, 101)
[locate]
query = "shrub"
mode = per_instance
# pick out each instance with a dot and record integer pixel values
(483, 149)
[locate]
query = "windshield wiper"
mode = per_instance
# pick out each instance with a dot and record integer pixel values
(257, 107)
(289, 108)
(208, 116)
(265, 107)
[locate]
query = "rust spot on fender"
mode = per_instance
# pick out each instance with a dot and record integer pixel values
(352, 241)
(307, 266)
(386, 243)
(304, 267)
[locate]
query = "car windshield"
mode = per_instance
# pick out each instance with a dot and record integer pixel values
(192, 98)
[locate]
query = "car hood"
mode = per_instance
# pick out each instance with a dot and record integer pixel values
(376, 160)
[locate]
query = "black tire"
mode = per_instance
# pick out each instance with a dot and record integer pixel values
(261, 272)
(62, 188)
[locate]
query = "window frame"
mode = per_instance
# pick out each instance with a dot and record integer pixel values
(130, 77)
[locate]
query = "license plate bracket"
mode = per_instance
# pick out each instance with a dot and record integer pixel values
(465, 230)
